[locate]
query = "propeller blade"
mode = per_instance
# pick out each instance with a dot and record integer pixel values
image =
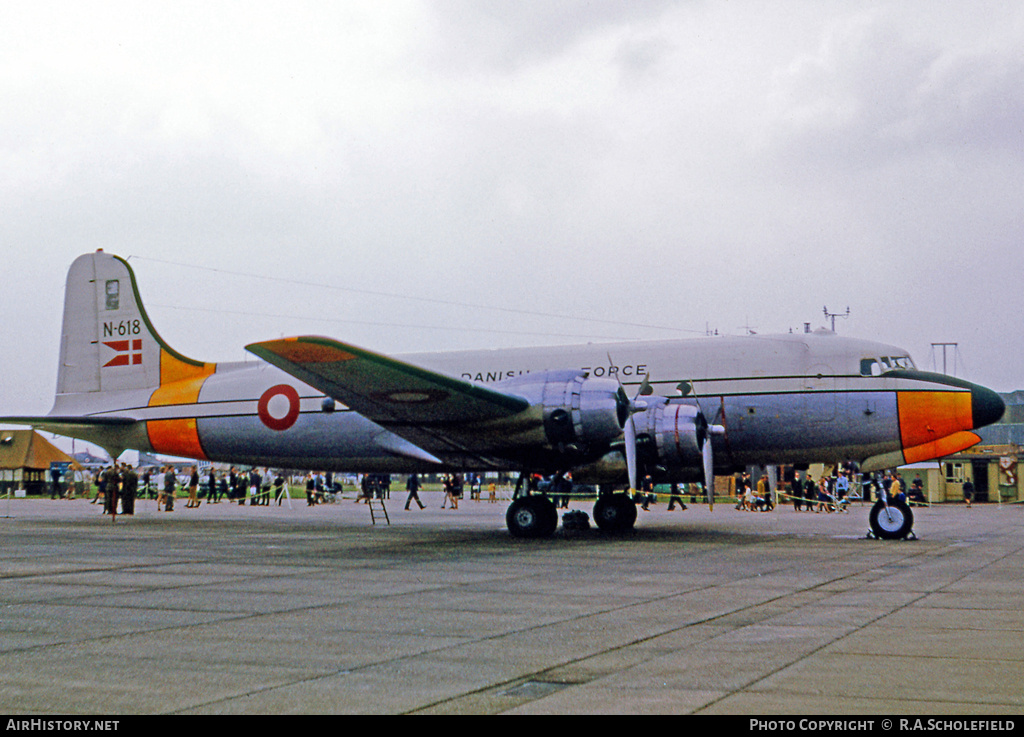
(630, 445)
(705, 432)
(631, 407)
(709, 470)
(686, 388)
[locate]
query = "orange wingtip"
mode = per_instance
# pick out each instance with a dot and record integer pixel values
(297, 350)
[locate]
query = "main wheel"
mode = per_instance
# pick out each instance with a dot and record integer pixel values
(615, 513)
(893, 522)
(531, 517)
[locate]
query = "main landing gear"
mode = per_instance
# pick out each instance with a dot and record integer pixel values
(532, 517)
(536, 516)
(615, 513)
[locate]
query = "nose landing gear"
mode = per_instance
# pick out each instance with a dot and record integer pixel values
(892, 520)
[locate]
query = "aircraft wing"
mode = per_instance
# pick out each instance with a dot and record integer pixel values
(422, 406)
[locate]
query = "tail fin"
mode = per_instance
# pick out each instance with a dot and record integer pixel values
(108, 342)
(112, 363)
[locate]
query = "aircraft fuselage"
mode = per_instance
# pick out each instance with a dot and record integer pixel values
(781, 399)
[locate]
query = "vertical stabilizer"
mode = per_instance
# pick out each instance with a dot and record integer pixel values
(108, 343)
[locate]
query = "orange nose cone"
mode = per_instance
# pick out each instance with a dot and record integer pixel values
(928, 416)
(938, 423)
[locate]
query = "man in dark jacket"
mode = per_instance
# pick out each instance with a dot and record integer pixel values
(129, 489)
(112, 483)
(412, 485)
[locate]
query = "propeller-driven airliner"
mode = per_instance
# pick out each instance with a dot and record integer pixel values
(679, 410)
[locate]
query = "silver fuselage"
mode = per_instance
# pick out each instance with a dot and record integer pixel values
(781, 399)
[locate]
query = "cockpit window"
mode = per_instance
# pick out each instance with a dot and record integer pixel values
(870, 367)
(878, 366)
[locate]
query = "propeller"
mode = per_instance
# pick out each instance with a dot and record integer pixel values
(629, 430)
(705, 430)
(707, 455)
(628, 408)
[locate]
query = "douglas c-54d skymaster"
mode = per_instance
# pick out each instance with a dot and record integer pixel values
(681, 410)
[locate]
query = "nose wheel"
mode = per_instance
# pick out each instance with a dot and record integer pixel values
(892, 521)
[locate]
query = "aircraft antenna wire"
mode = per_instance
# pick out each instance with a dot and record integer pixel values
(431, 300)
(371, 323)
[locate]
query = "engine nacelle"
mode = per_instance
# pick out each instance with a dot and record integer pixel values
(578, 413)
(677, 431)
(673, 434)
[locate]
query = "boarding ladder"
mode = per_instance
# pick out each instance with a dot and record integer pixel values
(377, 507)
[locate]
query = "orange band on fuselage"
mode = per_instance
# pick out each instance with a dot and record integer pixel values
(176, 438)
(180, 384)
(928, 417)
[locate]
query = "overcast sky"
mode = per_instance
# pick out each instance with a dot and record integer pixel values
(387, 173)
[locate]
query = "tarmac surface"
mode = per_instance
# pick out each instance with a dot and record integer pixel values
(273, 610)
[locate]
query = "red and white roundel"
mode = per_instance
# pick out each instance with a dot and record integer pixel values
(278, 408)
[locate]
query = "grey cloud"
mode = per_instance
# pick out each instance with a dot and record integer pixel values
(504, 36)
(875, 96)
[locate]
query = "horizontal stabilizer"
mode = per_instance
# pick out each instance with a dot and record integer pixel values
(112, 433)
(56, 424)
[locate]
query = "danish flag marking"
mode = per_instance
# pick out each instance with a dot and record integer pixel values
(128, 352)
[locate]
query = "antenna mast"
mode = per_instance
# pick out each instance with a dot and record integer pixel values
(944, 346)
(834, 315)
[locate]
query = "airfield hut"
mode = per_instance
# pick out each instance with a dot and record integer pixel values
(994, 470)
(25, 458)
(994, 466)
